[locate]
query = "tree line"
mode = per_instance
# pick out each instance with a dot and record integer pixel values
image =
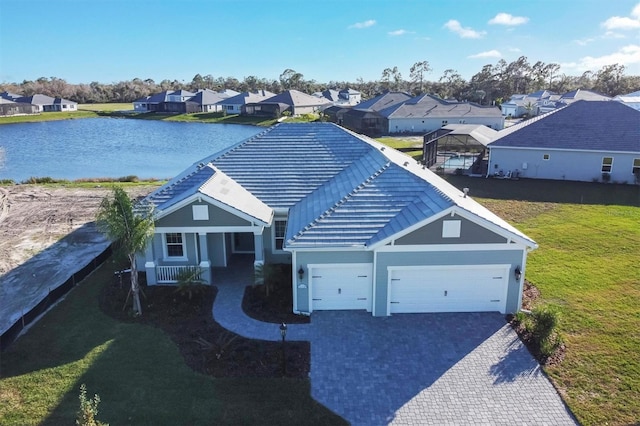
(493, 84)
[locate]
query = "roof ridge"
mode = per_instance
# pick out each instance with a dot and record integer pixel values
(345, 198)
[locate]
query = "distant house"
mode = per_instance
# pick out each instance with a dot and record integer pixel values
(584, 141)
(544, 101)
(294, 101)
(365, 117)
(209, 100)
(169, 101)
(427, 112)
(630, 99)
(46, 103)
(362, 225)
(344, 97)
(235, 104)
(9, 107)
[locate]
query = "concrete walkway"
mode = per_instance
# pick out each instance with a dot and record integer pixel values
(413, 369)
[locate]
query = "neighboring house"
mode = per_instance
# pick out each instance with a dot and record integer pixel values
(362, 225)
(293, 101)
(181, 101)
(426, 113)
(46, 103)
(209, 100)
(544, 101)
(365, 117)
(630, 99)
(235, 104)
(584, 141)
(9, 107)
(344, 97)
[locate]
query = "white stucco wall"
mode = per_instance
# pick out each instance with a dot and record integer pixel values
(422, 124)
(561, 165)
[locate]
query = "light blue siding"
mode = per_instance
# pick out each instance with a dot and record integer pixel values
(561, 165)
(494, 257)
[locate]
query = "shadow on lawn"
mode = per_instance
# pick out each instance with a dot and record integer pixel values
(552, 191)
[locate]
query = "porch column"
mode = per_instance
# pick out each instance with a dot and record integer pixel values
(205, 263)
(150, 264)
(259, 246)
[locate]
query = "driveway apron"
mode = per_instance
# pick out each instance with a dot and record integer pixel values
(410, 369)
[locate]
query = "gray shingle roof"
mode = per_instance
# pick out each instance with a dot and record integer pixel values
(296, 99)
(583, 125)
(383, 101)
(432, 106)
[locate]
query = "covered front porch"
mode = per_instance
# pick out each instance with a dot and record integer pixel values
(172, 255)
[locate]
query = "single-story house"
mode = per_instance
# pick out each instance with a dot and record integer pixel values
(362, 225)
(426, 113)
(209, 100)
(294, 101)
(46, 103)
(365, 117)
(235, 104)
(630, 99)
(584, 141)
(9, 107)
(344, 97)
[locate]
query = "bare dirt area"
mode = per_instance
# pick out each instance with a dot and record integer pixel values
(34, 217)
(47, 234)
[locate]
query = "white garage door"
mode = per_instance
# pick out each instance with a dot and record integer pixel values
(337, 287)
(448, 289)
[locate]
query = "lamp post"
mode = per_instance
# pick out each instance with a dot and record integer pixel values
(283, 334)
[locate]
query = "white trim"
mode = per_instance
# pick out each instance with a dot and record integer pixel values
(451, 247)
(294, 280)
(506, 267)
(527, 148)
(165, 252)
(523, 267)
(210, 229)
(159, 214)
(311, 266)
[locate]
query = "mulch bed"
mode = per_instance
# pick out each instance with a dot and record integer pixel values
(530, 294)
(205, 345)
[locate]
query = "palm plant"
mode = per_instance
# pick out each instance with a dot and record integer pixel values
(129, 225)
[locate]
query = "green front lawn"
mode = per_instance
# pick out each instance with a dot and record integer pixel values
(587, 266)
(138, 372)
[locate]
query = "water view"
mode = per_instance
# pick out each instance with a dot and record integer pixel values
(106, 147)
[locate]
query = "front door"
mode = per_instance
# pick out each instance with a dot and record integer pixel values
(243, 242)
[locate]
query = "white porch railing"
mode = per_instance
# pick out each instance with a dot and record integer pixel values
(169, 274)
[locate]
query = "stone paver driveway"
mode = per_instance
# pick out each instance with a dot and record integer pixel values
(412, 369)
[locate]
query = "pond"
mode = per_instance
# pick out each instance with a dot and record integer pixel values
(111, 148)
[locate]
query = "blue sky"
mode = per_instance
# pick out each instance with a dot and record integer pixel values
(325, 40)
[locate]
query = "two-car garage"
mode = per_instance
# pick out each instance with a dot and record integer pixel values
(468, 288)
(410, 289)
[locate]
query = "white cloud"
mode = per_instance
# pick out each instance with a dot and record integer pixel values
(627, 55)
(361, 25)
(584, 41)
(454, 26)
(399, 32)
(488, 54)
(611, 34)
(624, 22)
(508, 19)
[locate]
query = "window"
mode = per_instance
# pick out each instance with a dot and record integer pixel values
(636, 167)
(280, 227)
(546, 156)
(174, 243)
(607, 164)
(444, 122)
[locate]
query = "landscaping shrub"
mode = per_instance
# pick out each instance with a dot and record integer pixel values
(88, 411)
(538, 330)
